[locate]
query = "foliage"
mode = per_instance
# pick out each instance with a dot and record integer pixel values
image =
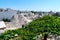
(6, 20)
(34, 28)
(56, 14)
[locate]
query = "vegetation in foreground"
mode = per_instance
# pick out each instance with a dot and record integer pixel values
(34, 28)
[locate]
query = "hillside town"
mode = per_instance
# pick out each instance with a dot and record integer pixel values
(29, 19)
(18, 18)
(12, 19)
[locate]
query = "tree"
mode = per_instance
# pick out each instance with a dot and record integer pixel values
(6, 20)
(57, 14)
(32, 11)
(36, 27)
(51, 23)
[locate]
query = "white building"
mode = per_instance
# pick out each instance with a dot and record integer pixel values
(2, 26)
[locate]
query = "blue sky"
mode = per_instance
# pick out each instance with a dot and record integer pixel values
(36, 5)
